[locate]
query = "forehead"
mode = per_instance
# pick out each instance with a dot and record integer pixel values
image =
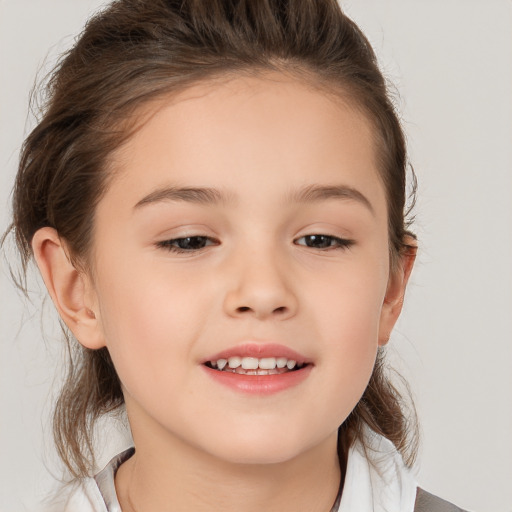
(237, 133)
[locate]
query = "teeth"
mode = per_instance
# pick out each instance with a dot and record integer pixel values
(234, 362)
(241, 364)
(249, 363)
(281, 362)
(241, 371)
(267, 363)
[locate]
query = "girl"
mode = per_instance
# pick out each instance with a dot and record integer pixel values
(215, 200)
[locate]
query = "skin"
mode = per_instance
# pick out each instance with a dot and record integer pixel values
(199, 445)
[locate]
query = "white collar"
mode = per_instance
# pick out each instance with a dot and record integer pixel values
(377, 479)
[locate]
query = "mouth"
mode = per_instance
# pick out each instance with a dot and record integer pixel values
(256, 366)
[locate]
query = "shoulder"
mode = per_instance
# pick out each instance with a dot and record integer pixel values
(426, 502)
(92, 494)
(79, 496)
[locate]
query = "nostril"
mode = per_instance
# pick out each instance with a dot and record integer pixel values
(242, 309)
(281, 309)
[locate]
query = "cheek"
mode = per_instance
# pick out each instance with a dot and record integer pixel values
(352, 354)
(348, 304)
(348, 316)
(149, 321)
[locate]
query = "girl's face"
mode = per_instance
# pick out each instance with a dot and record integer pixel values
(246, 219)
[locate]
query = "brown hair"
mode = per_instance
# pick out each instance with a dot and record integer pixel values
(138, 50)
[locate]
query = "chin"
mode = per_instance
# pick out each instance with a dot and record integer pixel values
(262, 448)
(259, 457)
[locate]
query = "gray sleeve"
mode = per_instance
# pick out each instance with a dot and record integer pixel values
(426, 502)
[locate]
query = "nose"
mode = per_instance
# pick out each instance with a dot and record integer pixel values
(260, 286)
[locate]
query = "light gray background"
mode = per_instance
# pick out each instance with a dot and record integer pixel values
(451, 61)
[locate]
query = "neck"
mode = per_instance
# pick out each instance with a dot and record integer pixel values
(176, 477)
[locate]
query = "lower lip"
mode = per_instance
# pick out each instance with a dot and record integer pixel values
(259, 384)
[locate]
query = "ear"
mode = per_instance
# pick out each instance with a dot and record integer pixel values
(394, 299)
(71, 291)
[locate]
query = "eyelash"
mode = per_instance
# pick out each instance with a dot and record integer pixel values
(168, 244)
(172, 245)
(338, 243)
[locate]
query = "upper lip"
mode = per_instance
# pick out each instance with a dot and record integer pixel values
(258, 350)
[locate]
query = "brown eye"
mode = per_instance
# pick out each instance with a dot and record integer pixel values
(323, 242)
(186, 244)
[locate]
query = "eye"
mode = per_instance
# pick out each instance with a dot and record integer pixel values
(186, 244)
(324, 242)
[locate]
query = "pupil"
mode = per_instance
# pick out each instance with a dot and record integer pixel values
(318, 241)
(191, 242)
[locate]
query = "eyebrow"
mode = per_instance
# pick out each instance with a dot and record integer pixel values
(314, 193)
(213, 196)
(198, 195)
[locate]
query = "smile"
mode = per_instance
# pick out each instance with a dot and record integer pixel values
(258, 368)
(255, 366)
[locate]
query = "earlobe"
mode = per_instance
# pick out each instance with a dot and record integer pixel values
(69, 289)
(395, 293)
